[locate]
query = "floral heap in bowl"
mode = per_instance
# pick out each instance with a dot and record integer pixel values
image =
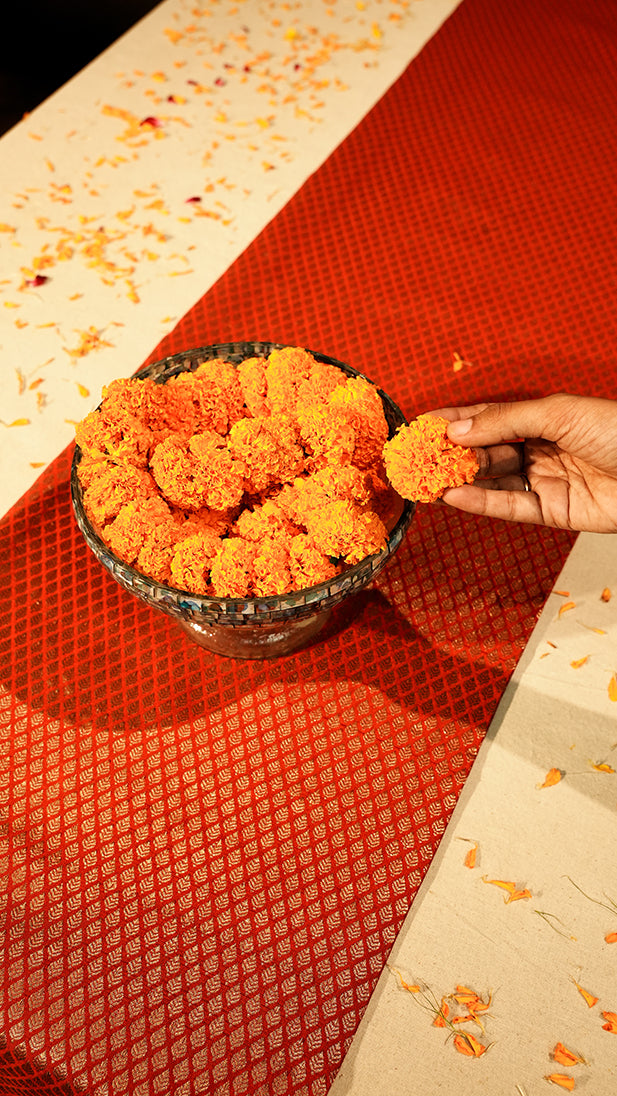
(241, 489)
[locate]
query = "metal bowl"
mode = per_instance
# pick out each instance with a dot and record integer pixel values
(245, 627)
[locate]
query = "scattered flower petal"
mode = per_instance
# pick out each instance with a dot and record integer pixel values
(566, 1057)
(611, 1022)
(562, 1080)
(514, 894)
(586, 995)
(552, 777)
(467, 1044)
(567, 607)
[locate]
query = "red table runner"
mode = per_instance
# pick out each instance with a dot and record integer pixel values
(209, 860)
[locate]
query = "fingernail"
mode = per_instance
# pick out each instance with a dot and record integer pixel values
(460, 428)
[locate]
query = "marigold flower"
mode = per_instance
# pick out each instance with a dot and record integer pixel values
(253, 384)
(421, 461)
(232, 568)
(144, 534)
(192, 559)
(267, 448)
(112, 487)
(359, 403)
(200, 473)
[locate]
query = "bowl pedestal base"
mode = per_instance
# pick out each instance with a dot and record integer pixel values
(256, 640)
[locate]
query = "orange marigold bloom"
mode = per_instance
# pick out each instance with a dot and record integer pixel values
(285, 370)
(232, 568)
(124, 437)
(267, 519)
(342, 530)
(309, 566)
(192, 559)
(358, 402)
(114, 485)
(253, 384)
(330, 439)
(421, 461)
(202, 473)
(267, 448)
(221, 394)
(271, 574)
(144, 534)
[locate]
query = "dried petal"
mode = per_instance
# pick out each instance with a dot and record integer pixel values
(442, 1016)
(611, 1022)
(552, 777)
(469, 1045)
(611, 938)
(586, 995)
(606, 594)
(513, 893)
(578, 662)
(567, 607)
(566, 1057)
(470, 859)
(612, 688)
(562, 1080)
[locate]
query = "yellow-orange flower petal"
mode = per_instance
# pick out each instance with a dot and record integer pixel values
(562, 1080)
(566, 1057)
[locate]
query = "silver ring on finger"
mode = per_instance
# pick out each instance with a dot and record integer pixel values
(526, 484)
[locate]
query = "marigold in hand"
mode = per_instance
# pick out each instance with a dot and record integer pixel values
(421, 461)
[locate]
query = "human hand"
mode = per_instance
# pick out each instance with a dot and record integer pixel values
(551, 461)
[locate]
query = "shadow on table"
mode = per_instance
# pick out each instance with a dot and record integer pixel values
(81, 650)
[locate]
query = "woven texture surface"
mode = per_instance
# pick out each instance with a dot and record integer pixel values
(208, 861)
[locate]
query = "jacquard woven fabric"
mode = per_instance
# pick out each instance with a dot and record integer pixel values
(207, 861)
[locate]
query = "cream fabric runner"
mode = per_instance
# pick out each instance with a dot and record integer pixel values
(541, 807)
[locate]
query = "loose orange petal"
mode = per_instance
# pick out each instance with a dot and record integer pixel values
(562, 1080)
(404, 984)
(612, 688)
(586, 995)
(513, 893)
(611, 938)
(611, 1022)
(442, 1015)
(562, 593)
(566, 1057)
(606, 594)
(566, 608)
(469, 1045)
(552, 777)
(470, 859)
(578, 662)
(603, 767)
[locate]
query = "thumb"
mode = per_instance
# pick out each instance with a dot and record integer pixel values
(502, 422)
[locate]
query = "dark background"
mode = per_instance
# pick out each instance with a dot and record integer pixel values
(44, 44)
